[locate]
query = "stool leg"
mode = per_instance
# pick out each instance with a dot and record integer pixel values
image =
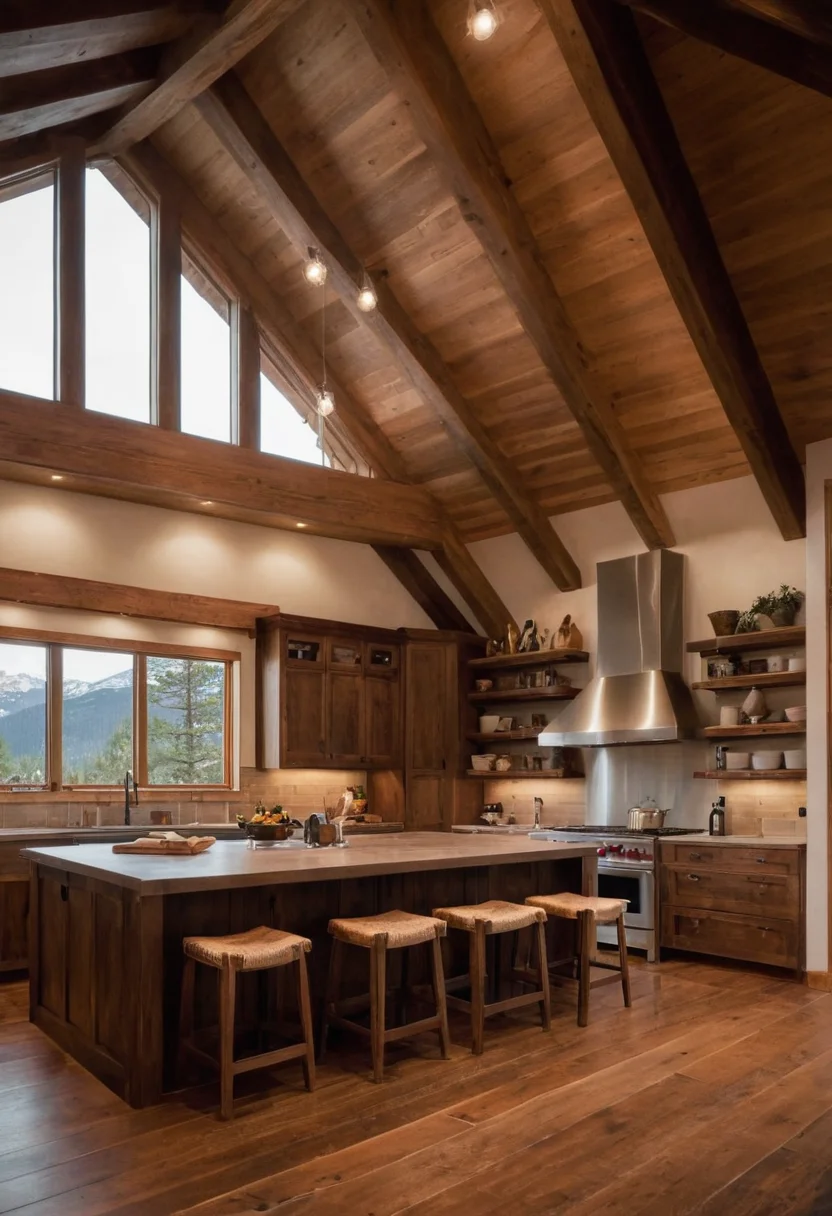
(305, 1010)
(333, 987)
(585, 924)
(186, 1015)
(477, 977)
(624, 961)
(228, 984)
(438, 974)
(543, 973)
(404, 980)
(378, 995)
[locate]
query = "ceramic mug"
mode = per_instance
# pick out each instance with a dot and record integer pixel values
(777, 662)
(729, 715)
(797, 663)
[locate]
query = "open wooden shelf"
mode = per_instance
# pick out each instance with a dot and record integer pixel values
(751, 774)
(770, 679)
(751, 731)
(527, 733)
(530, 658)
(763, 639)
(514, 774)
(507, 695)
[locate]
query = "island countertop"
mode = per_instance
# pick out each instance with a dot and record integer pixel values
(230, 864)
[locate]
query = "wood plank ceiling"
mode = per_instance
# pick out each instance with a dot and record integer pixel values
(539, 278)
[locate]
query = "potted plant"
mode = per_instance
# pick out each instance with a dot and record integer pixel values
(779, 606)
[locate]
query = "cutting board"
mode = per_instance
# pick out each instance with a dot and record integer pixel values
(149, 847)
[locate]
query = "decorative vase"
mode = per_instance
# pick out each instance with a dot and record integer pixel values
(782, 617)
(512, 636)
(754, 705)
(724, 621)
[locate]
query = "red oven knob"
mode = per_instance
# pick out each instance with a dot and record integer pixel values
(602, 852)
(632, 854)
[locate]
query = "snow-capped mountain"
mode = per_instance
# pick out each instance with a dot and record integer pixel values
(19, 691)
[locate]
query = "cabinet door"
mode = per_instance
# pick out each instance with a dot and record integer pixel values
(14, 922)
(427, 807)
(303, 731)
(382, 721)
(345, 718)
(428, 707)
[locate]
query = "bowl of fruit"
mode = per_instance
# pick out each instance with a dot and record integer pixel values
(268, 825)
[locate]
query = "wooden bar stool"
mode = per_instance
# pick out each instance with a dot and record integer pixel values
(378, 934)
(588, 911)
(257, 950)
(484, 920)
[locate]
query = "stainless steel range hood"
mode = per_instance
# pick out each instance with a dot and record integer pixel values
(638, 694)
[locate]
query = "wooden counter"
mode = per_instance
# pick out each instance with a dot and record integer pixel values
(106, 930)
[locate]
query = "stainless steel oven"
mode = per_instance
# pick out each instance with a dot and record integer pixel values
(638, 886)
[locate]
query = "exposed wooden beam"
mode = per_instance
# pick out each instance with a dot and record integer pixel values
(193, 64)
(38, 100)
(87, 595)
(408, 45)
(603, 51)
(809, 19)
(738, 33)
(38, 35)
(246, 374)
(112, 457)
(166, 330)
(289, 344)
(244, 133)
(70, 273)
(419, 582)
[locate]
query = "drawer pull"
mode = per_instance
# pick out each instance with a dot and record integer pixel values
(765, 928)
(696, 856)
(693, 878)
(761, 861)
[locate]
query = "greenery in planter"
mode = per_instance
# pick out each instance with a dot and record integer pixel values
(779, 606)
(747, 622)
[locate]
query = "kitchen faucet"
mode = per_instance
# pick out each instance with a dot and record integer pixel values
(128, 777)
(538, 810)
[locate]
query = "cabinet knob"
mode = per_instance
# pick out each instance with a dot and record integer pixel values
(693, 878)
(761, 861)
(696, 856)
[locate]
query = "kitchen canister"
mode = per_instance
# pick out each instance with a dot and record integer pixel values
(729, 715)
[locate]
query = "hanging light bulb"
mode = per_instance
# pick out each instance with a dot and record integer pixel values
(482, 19)
(324, 402)
(367, 298)
(314, 268)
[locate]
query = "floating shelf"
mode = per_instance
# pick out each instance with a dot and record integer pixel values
(507, 695)
(522, 774)
(751, 731)
(763, 639)
(770, 679)
(531, 658)
(752, 774)
(527, 733)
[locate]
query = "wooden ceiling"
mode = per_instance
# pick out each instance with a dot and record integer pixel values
(602, 240)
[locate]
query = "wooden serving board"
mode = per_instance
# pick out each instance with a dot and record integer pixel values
(358, 829)
(150, 847)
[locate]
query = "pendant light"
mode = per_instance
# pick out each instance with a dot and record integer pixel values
(367, 298)
(314, 268)
(324, 397)
(483, 19)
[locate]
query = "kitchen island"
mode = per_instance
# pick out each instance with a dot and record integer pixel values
(106, 929)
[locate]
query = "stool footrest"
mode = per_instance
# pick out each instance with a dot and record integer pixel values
(267, 1058)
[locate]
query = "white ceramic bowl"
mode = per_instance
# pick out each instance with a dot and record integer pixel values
(489, 723)
(737, 760)
(795, 758)
(763, 761)
(797, 663)
(796, 713)
(484, 763)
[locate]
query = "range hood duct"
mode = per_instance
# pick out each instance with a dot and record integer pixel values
(638, 694)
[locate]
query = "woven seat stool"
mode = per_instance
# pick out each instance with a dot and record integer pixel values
(587, 911)
(490, 919)
(378, 934)
(258, 949)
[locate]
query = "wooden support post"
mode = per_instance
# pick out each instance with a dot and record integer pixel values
(246, 378)
(166, 328)
(69, 274)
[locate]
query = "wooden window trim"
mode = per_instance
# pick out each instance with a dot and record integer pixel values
(83, 641)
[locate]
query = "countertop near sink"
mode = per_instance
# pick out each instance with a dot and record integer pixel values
(759, 842)
(10, 835)
(500, 829)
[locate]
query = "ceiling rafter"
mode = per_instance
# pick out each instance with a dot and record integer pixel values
(192, 64)
(289, 344)
(810, 19)
(605, 55)
(805, 60)
(410, 48)
(244, 133)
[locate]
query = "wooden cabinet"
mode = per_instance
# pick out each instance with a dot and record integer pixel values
(14, 921)
(734, 901)
(339, 696)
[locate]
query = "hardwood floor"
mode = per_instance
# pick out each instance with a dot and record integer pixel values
(712, 1095)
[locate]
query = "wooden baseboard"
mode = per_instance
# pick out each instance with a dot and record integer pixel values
(820, 980)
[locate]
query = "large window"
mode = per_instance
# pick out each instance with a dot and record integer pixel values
(117, 244)
(206, 356)
(282, 430)
(27, 272)
(75, 716)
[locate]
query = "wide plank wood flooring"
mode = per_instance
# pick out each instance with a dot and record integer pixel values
(713, 1095)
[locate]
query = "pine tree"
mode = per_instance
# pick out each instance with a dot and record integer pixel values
(186, 731)
(5, 759)
(111, 763)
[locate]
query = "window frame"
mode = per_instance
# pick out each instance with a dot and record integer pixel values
(141, 651)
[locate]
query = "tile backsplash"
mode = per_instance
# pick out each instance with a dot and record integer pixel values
(299, 791)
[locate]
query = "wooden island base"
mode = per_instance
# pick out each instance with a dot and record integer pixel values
(106, 931)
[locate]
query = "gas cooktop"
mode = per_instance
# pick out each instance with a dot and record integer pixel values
(607, 830)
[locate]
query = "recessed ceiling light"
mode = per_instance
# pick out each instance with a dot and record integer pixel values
(300, 525)
(57, 476)
(207, 503)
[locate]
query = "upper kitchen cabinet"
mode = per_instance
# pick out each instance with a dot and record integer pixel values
(329, 695)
